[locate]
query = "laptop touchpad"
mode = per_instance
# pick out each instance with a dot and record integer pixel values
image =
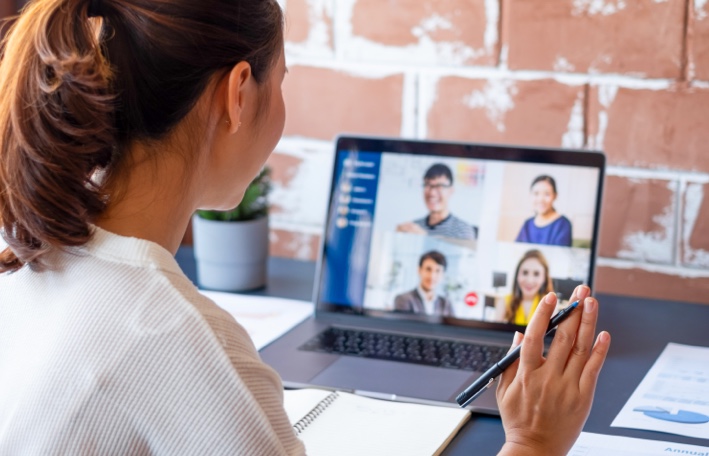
(402, 379)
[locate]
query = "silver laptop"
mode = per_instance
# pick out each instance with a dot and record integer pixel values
(433, 254)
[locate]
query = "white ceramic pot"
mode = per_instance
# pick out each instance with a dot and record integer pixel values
(231, 256)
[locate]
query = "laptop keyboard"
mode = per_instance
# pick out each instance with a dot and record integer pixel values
(418, 350)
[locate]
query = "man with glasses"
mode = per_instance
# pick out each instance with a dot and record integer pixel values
(437, 190)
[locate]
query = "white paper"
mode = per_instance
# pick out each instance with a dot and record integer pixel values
(264, 318)
(674, 395)
(299, 402)
(589, 444)
(362, 426)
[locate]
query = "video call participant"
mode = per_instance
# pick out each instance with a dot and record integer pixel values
(423, 299)
(547, 226)
(532, 282)
(437, 190)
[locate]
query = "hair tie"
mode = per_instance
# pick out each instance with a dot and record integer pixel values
(94, 8)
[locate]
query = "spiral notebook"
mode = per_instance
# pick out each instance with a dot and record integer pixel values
(347, 424)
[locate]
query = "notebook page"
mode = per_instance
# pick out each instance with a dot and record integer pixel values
(357, 425)
(300, 402)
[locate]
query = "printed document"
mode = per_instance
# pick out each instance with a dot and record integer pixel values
(589, 444)
(674, 395)
(263, 317)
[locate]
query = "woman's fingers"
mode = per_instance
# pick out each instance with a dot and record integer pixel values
(567, 334)
(583, 344)
(589, 375)
(511, 372)
(573, 352)
(533, 347)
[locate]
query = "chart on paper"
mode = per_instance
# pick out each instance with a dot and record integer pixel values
(674, 395)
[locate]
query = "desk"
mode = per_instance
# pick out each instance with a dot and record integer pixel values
(640, 329)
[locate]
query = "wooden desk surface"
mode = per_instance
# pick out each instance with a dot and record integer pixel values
(640, 329)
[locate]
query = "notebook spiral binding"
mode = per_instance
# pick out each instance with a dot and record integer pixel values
(308, 419)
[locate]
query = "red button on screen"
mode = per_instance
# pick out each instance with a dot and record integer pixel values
(471, 299)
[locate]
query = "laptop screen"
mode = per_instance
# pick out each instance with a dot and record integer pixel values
(460, 234)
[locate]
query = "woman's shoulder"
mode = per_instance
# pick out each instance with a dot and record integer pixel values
(562, 221)
(139, 285)
(206, 316)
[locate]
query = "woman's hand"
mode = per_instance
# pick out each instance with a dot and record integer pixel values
(410, 227)
(544, 402)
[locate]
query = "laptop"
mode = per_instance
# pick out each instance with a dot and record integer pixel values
(433, 254)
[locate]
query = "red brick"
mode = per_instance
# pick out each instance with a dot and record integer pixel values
(283, 169)
(655, 285)
(635, 37)
(303, 20)
(456, 25)
(301, 181)
(695, 226)
(638, 220)
(651, 128)
(297, 21)
(506, 111)
(289, 244)
(322, 103)
(700, 41)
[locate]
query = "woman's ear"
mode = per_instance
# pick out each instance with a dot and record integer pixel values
(239, 86)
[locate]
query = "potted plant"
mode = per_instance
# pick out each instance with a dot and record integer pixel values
(231, 247)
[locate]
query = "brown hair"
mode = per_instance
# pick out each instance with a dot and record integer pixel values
(436, 256)
(544, 178)
(547, 286)
(77, 90)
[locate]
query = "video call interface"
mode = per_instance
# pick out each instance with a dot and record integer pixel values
(435, 238)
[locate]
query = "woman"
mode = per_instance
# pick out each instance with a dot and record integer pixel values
(547, 226)
(532, 282)
(118, 119)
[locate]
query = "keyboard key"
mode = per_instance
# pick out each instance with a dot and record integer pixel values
(417, 350)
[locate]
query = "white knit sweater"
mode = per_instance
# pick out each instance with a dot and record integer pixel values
(114, 351)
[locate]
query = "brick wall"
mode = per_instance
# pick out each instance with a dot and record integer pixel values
(630, 77)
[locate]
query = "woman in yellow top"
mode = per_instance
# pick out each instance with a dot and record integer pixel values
(532, 282)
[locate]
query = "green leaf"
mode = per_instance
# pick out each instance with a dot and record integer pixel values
(254, 204)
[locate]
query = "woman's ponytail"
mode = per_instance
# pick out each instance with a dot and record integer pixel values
(77, 92)
(56, 130)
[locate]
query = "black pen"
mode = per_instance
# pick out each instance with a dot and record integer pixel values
(485, 380)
